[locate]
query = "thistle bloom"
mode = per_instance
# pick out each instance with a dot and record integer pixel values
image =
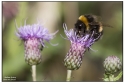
(33, 37)
(73, 59)
(112, 64)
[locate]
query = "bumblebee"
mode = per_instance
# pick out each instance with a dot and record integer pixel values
(41, 47)
(88, 24)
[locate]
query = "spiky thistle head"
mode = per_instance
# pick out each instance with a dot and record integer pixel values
(112, 64)
(34, 37)
(73, 59)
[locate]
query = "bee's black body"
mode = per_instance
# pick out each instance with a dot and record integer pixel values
(88, 24)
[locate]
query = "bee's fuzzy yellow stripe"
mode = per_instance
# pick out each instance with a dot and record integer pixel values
(84, 20)
(101, 28)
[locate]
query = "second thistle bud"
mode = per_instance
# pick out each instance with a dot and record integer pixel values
(73, 59)
(112, 64)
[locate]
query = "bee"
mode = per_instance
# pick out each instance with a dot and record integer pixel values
(88, 24)
(41, 47)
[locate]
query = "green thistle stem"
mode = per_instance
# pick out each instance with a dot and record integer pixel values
(111, 78)
(68, 75)
(34, 72)
(118, 77)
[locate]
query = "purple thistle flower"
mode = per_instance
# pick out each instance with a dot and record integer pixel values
(73, 59)
(34, 37)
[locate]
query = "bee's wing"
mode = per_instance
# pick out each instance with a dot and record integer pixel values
(107, 25)
(94, 23)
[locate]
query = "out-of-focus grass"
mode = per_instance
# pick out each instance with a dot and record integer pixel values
(13, 58)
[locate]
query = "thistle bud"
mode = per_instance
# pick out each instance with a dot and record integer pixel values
(73, 59)
(112, 64)
(33, 37)
(32, 51)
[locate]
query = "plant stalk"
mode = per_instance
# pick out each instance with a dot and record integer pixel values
(119, 76)
(68, 75)
(34, 72)
(111, 78)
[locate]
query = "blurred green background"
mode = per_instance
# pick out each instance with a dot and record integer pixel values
(53, 15)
